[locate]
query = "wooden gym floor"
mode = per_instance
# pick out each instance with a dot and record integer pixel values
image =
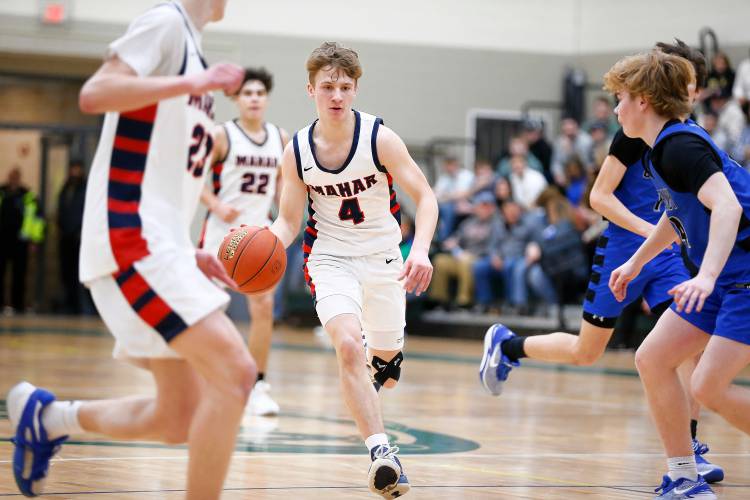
(555, 433)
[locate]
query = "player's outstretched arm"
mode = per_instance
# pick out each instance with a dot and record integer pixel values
(394, 156)
(716, 195)
(660, 238)
(292, 204)
(604, 201)
(117, 87)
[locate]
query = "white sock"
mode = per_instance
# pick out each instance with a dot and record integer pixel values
(682, 467)
(60, 418)
(376, 440)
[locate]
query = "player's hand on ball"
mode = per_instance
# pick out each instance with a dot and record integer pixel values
(620, 278)
(417, 272)
(226, 212)
(691, 294)
(212, 268)
(221, 76)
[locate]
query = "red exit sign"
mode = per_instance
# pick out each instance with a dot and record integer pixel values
(54, 11)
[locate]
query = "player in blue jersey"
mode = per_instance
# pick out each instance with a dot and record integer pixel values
(706, 198)
(624, 195)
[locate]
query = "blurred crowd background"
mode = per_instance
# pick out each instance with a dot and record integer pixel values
(511, 135)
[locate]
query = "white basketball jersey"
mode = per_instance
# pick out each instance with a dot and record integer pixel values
(352, 208)
(246, 180)
(149, 168)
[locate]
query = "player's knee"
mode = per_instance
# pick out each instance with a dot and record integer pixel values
(643, 360)
(350, 350)
(704, 392)
(242, 373)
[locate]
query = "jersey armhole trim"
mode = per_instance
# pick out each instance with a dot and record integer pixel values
(281, 137)
(229, 143)
(297, 158)
(374, 145)
(183, 67)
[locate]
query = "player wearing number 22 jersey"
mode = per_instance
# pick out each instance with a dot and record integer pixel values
(245, 179)
(244, 173)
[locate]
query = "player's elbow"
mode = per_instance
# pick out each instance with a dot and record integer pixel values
(87, 100)
(596, 200)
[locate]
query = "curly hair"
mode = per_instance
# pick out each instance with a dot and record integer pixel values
(332, 55)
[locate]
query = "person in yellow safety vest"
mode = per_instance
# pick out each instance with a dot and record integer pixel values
(21, 225)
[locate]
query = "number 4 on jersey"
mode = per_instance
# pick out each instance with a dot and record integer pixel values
(350, 211)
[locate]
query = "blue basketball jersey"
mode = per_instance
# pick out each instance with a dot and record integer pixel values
(638, 195)
(690, 219)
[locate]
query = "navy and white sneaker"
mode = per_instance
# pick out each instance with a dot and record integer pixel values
(684, 488)
(33, 450)
(712, 473)
(496, 366)
(386, 476)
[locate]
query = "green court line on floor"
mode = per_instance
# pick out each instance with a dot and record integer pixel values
(420, 356)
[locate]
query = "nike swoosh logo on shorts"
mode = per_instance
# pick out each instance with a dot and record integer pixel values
(388, 261)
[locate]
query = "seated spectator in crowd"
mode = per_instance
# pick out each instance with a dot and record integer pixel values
(571, 141)
(710, 121)
(741, 87)
(518, 147)
(452, 185)
(470, 242)
(576, 180)
(506, 262)
(525, 184)
(602, 111)
(741, 151)
(502, 190)
(600, 141)
(556, 258)
(533, 135)
(720, 80)
(484, 180)
(730, 123)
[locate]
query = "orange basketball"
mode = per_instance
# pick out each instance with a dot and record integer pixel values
(254, 258)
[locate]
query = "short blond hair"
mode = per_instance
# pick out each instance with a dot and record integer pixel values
(334, 56)
(662, 79)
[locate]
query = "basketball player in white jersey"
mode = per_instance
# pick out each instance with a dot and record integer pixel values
(343, 166)
(151, 287)
(246, 156)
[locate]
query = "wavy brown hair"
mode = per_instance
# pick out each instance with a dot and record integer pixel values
(661, 79)
(332, 55)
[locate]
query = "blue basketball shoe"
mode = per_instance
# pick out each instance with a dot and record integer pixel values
(712, 473)
(33, 450)
(495, 366)
(386, 476)
(684, 488)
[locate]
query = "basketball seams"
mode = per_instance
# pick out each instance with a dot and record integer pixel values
(273, 250)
